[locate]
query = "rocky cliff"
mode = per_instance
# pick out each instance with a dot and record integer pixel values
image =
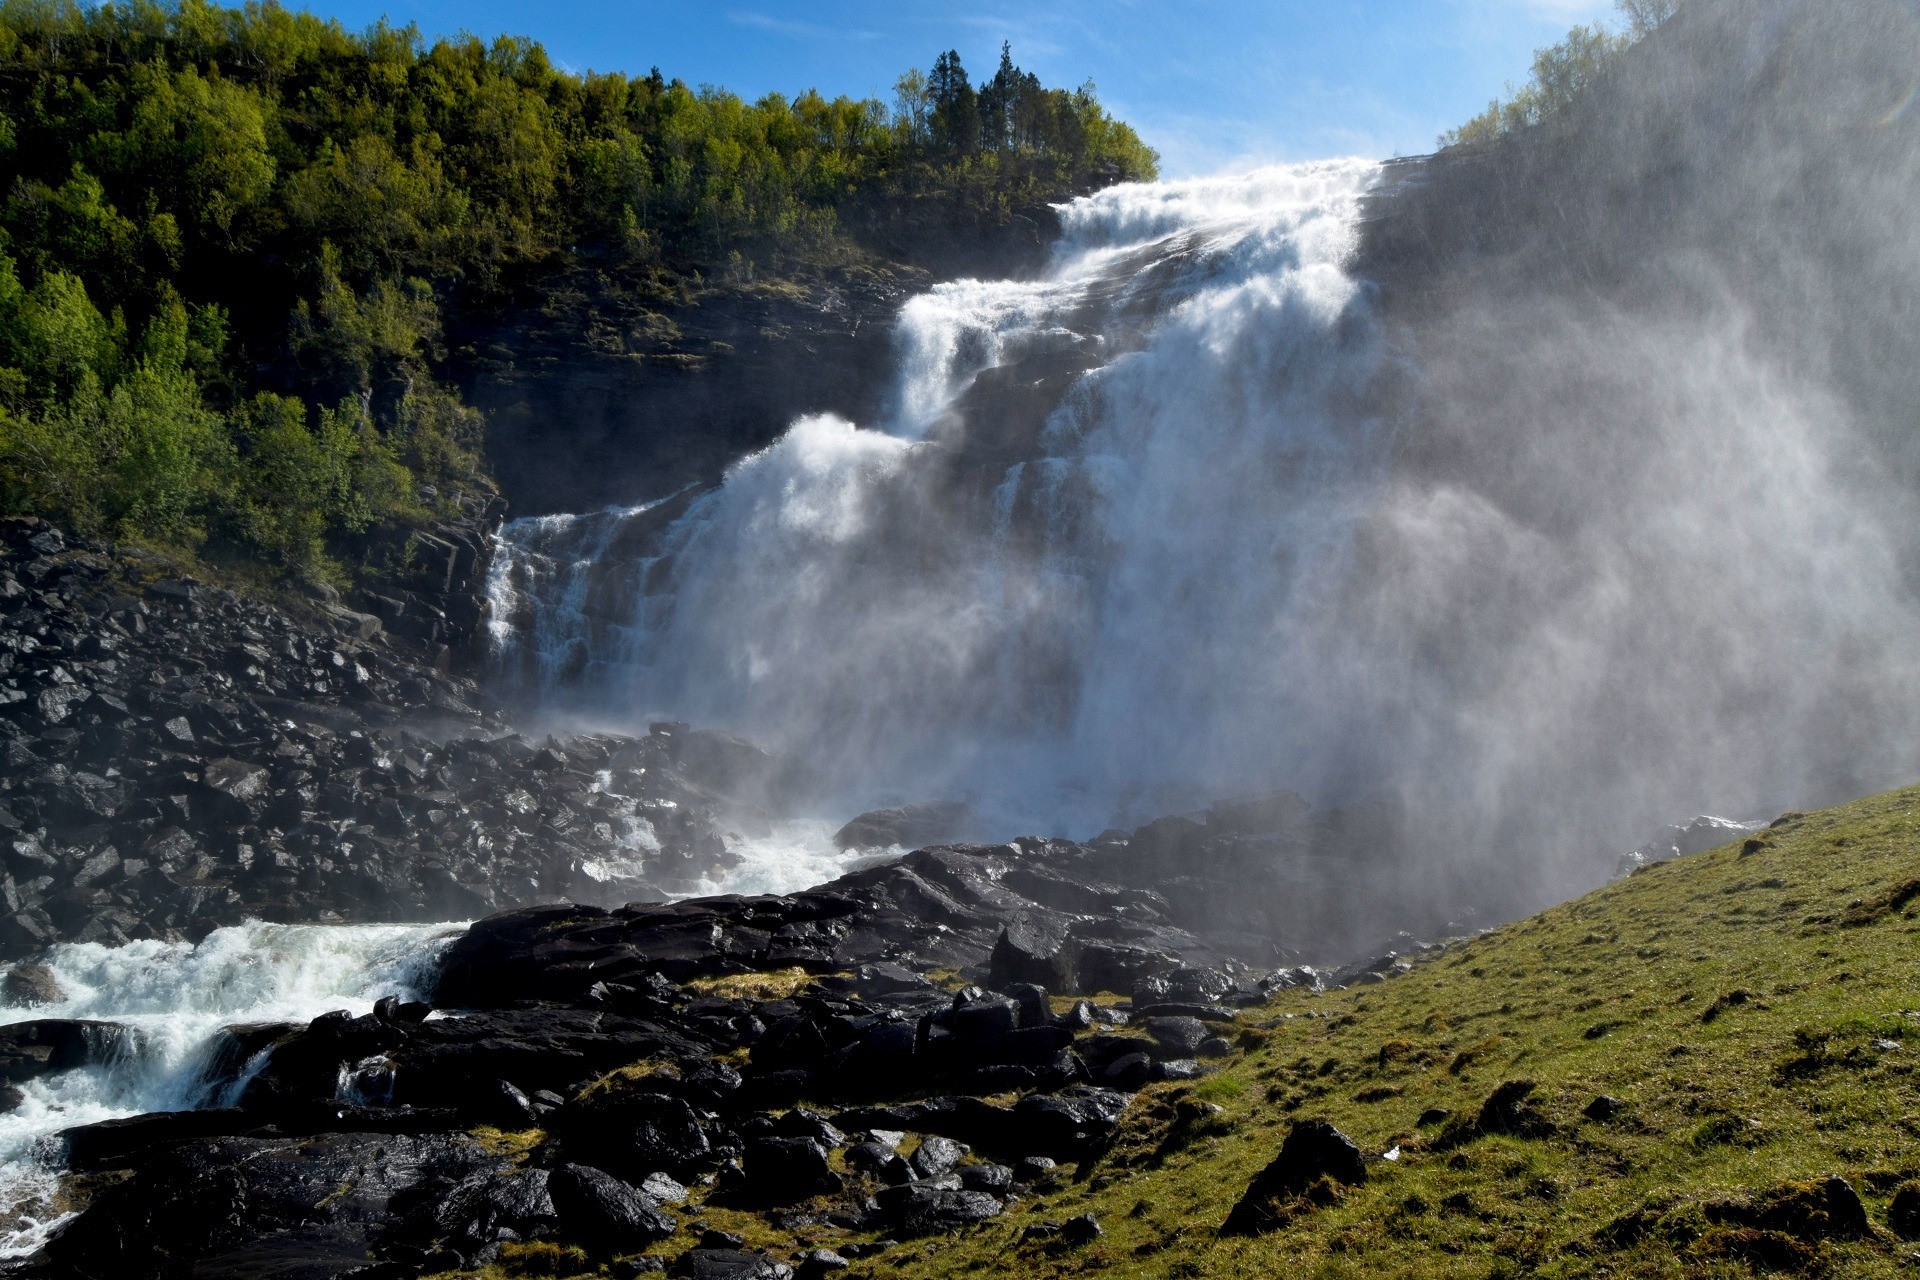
(606, 390)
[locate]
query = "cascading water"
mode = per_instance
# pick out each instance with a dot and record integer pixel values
(1096, 494)
(1198, 513)
(175, 999)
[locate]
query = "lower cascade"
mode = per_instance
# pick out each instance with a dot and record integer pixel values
(173, 1002)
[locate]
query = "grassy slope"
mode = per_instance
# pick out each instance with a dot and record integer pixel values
(1741, 1003)
(1610, 994)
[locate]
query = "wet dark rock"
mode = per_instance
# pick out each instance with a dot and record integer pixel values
(913, 827)
(121, 1144)
(32, 1049)
(223, 1206)
(728, 1264)
(995, 1179)
(819, 1263)
(604, 1213)
(915, 1210)
(1313, 1150)
(28, 986)
(1178, 1037)
(638, 1134)
(943, 907)
(784, 1171)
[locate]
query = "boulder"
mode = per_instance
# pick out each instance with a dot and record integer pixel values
(604, 1213)
(912, 827)
(728, 1264)
(1313, 1150)
(914, 1211)
(1178, 1037)
(28, 986)
(936, 1156)
(784, 1171)
(29, 1050)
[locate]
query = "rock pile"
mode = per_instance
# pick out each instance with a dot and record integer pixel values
(174, 758)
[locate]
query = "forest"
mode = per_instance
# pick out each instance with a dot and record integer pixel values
(230, 240)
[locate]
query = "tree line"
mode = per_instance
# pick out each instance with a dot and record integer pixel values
(229, 236)
(1561, 73)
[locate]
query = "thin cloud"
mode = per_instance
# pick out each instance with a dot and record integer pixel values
(795, 30)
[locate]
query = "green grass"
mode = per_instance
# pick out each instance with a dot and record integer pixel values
(1740, 1005)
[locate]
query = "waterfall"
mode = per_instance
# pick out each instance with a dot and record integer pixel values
(176, 998)
(1059, 571)
(1200, 513)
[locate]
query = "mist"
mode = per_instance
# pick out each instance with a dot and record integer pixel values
(1527, 497)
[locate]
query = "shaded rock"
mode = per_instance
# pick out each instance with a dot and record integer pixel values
(880, 1162)
(32, 1049)
(1071, 1124)
(915, 1211)
(783, 1171)
(821, 1262)
(1034, 1169)
(1178, 1037)
(995, 1179)
(912, 827)
(728, 1264)
(605, 1213)
(1903, 1212)
(30, 985)
(1601, 1109)
(1313, 1150)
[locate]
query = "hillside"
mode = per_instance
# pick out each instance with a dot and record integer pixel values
(1747, 1012)
(1701, 1070)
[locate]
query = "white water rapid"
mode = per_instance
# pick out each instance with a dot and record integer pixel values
(176, 998)
(1060, 573)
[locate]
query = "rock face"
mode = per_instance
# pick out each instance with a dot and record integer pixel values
(954, 907)
(177, 758)
(621, 396)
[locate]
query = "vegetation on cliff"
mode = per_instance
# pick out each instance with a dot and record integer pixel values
(1561, 73)
(229, 237)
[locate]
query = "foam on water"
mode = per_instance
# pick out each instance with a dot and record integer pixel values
(176, 998)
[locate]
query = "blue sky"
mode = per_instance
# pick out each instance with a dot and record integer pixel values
(1212, 83)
